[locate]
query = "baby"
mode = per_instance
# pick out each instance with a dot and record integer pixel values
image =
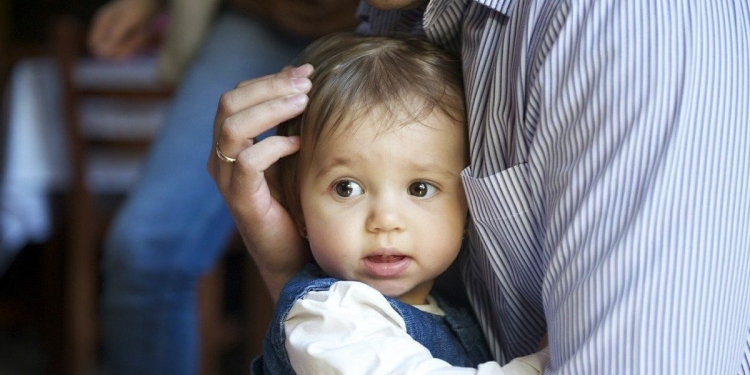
(376, 191)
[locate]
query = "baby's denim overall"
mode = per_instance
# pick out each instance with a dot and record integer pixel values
(454, 338)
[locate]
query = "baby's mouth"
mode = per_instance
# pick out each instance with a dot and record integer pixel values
(386, 258)
(386, 265)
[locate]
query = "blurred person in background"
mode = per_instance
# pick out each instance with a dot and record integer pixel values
(174, 224)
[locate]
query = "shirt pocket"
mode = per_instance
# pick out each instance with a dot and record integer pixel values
(501, 208)
(505, 248)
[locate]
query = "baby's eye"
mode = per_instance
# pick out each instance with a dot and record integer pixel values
(347, 188)
(422, 189)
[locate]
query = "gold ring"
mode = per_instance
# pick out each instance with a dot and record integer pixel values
(222, 156)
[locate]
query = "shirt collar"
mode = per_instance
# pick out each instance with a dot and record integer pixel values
(503, 6)
(443, 18)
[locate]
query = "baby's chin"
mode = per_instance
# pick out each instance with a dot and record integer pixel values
(398, 290)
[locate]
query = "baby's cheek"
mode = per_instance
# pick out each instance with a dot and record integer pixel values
(327, 254)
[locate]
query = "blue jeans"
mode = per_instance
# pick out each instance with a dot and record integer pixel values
(174, 225)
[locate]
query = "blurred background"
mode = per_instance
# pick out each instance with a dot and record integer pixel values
(73, 131)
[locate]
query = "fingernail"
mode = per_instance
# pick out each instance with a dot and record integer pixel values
(301, 84)
(297, 100)
(302, 71)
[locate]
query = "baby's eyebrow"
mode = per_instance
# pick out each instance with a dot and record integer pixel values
(339, 161)
(431, 167)
(418, 167)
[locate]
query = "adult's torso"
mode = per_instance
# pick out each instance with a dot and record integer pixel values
(609, 154)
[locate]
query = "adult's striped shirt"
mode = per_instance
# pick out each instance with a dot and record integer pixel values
(609, 184)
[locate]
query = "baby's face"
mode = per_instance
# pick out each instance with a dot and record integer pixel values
(387, 207)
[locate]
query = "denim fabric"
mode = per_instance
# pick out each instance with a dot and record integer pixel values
(174, 225)
(455, 338)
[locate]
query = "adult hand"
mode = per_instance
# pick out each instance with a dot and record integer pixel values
(308, 18)
(248, 110)
(121, 27)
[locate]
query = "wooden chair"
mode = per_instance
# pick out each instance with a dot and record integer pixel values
(86, 222)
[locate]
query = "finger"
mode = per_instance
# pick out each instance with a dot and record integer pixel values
(255, 160)
(261, 91)
(236, 132)
(129, 46)
(269, 90)
(246, 175)
(302, 71)
(99, 34)
(120, 30)
(114, 42)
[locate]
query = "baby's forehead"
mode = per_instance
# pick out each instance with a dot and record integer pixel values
(381, 118)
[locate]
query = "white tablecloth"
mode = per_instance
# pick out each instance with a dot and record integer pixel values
(36, 160)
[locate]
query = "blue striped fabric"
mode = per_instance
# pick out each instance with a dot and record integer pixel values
(609, 183)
